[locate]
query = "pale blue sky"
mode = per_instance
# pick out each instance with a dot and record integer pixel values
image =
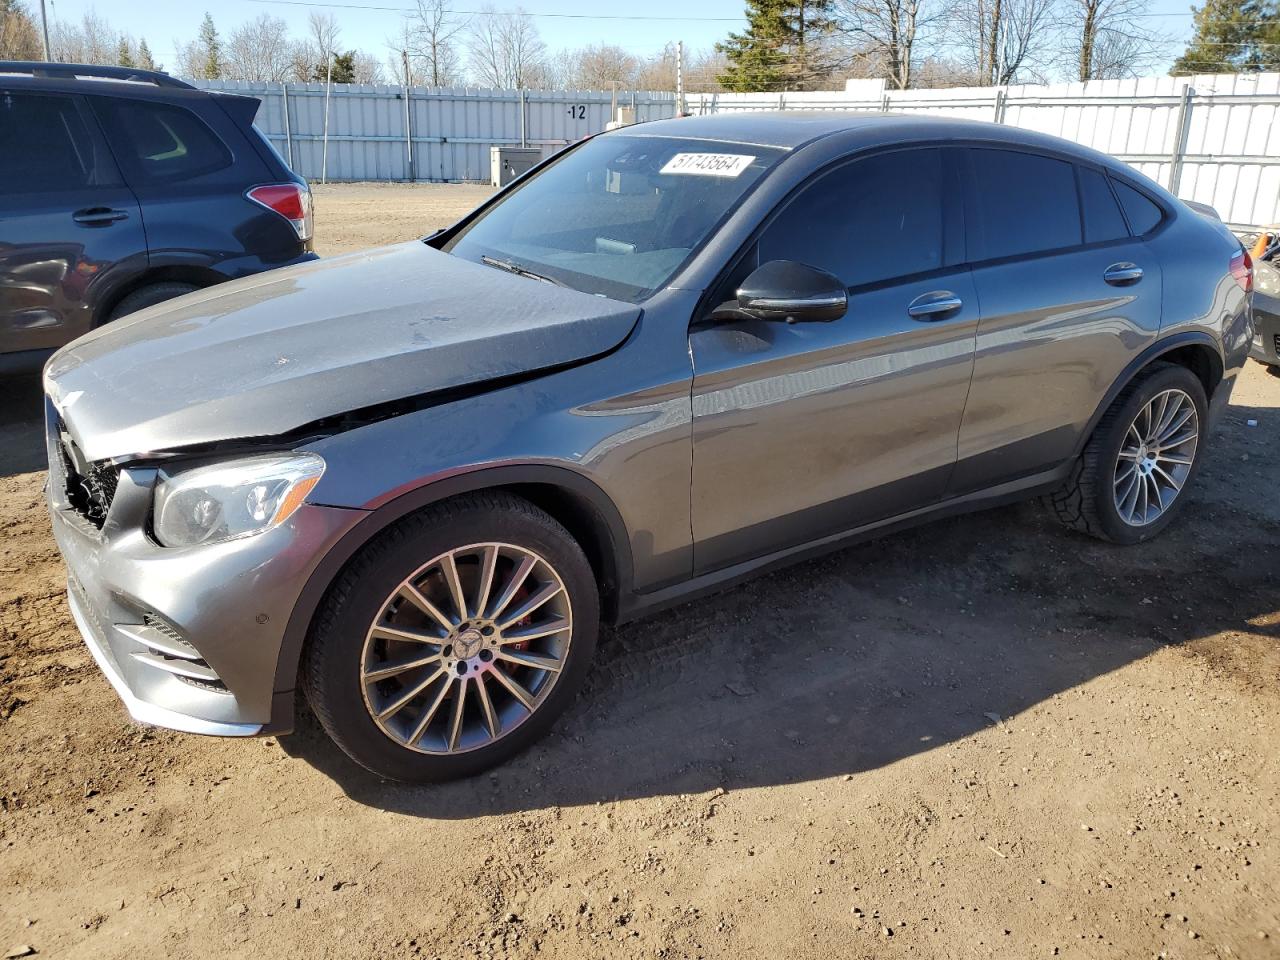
(165, 24)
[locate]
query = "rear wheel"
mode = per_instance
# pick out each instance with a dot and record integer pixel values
(454, 640)
(1130, 481)
(149, 296)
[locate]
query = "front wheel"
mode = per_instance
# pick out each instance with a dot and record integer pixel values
(1130, 481)
(454, 640)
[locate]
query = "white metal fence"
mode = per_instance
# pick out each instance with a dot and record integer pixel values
(1214, 139)
(378, 132)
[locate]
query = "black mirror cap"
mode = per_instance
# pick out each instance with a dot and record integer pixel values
(794, 292)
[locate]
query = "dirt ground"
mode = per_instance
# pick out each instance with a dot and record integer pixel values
(982, 738)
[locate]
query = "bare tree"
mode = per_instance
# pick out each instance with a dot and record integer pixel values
(1106, 39)
(431, 37)
(601, 66)
(505, 49)
(317, 51)
(92, 40)
(365, 68)
(887, 34)
(1002, 41)
(19, 36)
(260, 50)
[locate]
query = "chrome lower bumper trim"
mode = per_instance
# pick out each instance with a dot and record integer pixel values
(145, 712)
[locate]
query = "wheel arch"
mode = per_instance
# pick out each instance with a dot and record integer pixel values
(572, 499)
(178, 273)
(1196, 351)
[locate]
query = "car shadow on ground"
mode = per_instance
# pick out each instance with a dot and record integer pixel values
(871, 655)
(21, 424)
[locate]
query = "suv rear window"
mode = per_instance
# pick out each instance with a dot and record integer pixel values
(1102, 218)
(1026, 203)
(160, 143)
(44, 145)
(1144, 216)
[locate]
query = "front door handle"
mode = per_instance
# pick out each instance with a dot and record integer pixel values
(934, 305)
(98, 215)
(1122, 274)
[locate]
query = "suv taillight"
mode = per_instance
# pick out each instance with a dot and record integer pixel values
(292, 201)
(1242, 270)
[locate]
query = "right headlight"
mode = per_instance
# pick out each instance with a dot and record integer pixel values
(236, 498)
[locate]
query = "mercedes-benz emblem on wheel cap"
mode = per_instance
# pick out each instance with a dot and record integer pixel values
(468, 644)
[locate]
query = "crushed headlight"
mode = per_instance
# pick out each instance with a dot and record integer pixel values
(236, 498)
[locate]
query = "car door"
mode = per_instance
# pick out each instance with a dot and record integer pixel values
(1068, 298)
(68, 224)
(802, 430)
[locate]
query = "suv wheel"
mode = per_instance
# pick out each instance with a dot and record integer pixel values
(149, 296)
(1128, 484)
(454, 640)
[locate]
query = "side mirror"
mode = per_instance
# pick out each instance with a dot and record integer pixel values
(785, 290)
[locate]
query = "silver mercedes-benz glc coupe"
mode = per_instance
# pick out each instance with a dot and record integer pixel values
(413, 481)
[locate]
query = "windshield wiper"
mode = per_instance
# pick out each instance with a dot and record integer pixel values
(520, 271)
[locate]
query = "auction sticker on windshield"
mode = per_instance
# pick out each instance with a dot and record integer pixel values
(708, 164)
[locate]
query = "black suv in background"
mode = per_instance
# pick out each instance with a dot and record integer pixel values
(123, 188)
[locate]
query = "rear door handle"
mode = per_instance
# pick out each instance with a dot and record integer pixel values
(96, 215)
(1122, 274)
(934, 305)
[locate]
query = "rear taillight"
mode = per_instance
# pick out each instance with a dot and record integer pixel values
(292, 201)
(1242, 270)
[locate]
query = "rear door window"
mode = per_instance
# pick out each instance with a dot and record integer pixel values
(1144, 215)
(870, 221)
(46, 145)
(1102, 218)
(161, 143)
(1025, 203)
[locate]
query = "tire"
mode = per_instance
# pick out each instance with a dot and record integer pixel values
(149, 296)
(1087, 500)
(349, 639)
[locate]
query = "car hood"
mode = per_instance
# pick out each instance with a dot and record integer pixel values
(263, 356)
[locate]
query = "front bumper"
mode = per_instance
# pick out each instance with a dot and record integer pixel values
(1266, 314)
(189, 638)
(1266, 331)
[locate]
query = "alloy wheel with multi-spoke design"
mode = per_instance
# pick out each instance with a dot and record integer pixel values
(1156, 457)
(466, 648)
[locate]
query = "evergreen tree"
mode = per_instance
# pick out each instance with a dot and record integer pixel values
(1233, 36)
(758, 57)
(125, 56)
(781, 48)
(145, 60)
(344, 68)
(210, 50)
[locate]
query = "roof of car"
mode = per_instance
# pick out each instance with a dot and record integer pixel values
(788, 129)
(38, 70)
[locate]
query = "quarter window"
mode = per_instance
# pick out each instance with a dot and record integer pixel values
(1026, 203)
(1102, 218)
(160, 143)
(873, 220)
(1144, 216)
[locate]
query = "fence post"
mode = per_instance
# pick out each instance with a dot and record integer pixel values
(884, 103)
(288, 130)
(997, 115)
(408, 136)
(1180, 134)
(524, 142)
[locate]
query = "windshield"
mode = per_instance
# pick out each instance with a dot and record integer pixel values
(618, 215)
